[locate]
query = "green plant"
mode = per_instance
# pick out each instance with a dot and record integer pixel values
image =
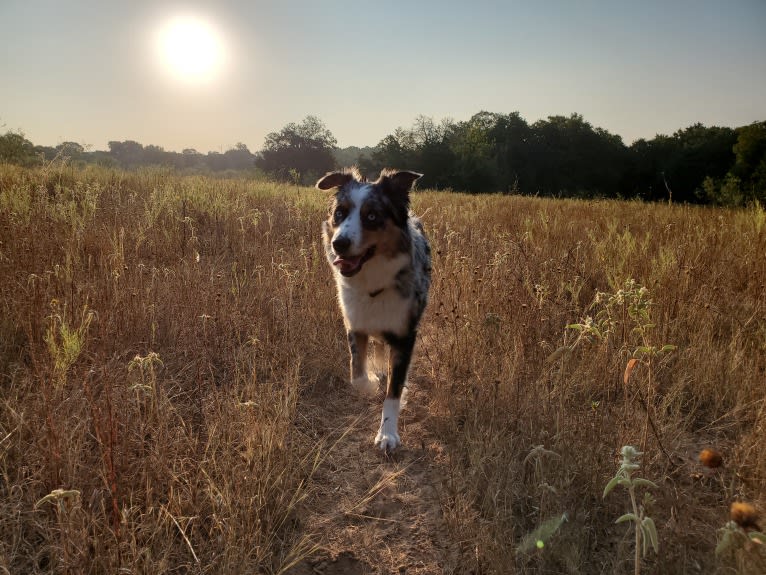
(626, 316)
(741, 541)
(645, 530)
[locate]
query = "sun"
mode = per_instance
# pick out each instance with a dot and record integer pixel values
(191, 49)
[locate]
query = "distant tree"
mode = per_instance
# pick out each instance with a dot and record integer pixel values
(512, 138)
(425, 148)
(305, 149)
(156, 156)
(677, 166)
(745, 181)
(392, 151)
(215, 161)
(571, 158)
(16, 149)
(701, 152)
(649, 160)
(190, 158)
(352, 156)
(45, 153)
(239, 158)
(750, 160)
(475, 154)
(128, 154)
(71, 150)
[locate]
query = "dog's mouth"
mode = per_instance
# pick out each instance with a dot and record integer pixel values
(349, 266)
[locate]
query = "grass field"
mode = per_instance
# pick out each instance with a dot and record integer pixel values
(174, 396)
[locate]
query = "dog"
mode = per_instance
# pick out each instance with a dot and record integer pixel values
(381, 261)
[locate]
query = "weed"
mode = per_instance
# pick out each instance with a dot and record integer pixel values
(643, 524)
(741, 543)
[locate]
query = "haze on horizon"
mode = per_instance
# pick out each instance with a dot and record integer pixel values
(207, 75)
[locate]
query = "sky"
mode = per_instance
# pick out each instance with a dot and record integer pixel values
(208, 75)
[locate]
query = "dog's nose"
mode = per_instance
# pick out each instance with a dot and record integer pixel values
(341, 244)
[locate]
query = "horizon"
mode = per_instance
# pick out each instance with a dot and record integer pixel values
(210, 75)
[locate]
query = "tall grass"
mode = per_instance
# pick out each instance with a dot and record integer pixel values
(160, 334)
(534, 434)
(152, 358)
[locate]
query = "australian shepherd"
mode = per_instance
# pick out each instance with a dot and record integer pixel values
(381, 261)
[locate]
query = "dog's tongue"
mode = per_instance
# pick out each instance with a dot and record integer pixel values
(347, 265)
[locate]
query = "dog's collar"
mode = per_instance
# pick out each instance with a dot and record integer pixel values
(377, 292)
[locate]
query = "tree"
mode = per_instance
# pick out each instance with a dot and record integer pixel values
(679, 165)
(473, 144)
(750, 160)
(156, 155)
(239, 158)
(571, 158)
(128, 154)
(16, 149)
(425, 148)
(305, 148)
(71, 150)
(190, 158)
(513, 147)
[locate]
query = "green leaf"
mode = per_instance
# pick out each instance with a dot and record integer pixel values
(724, 544)
(644, 540)
(641, 482)
(627, 517)
(537, 538)
(667, 348)
(757, 536)
(651, 529)
(611, 485)
(644, 350)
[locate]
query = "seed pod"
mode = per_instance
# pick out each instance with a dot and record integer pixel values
(711, 458)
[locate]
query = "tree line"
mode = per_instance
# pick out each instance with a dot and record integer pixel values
(567, 157)
(560, 156)
(128, 154)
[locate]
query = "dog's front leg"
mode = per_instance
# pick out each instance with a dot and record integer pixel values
(357, 345)
(398, 365)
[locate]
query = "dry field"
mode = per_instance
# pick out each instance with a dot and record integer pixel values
(174, 399)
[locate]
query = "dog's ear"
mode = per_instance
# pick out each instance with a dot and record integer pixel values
(334, 180)
(398, 183)
(402, 181)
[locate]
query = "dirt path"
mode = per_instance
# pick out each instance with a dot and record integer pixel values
(375, 513)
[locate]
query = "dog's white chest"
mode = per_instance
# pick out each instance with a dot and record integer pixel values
(387, 311)
(370, 301)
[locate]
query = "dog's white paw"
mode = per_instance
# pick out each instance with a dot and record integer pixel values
(387, 440)
(388, 434)
(366, 384)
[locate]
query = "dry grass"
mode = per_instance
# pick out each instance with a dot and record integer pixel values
(161, 336)
(533, 436)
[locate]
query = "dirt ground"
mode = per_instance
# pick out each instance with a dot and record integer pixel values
(375, 512)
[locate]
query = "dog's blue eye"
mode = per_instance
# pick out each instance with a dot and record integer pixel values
(339, 214)
(371, 217)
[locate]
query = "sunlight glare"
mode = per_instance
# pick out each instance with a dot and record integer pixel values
(191, 49)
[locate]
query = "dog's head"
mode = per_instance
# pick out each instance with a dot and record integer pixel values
(367, 219)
